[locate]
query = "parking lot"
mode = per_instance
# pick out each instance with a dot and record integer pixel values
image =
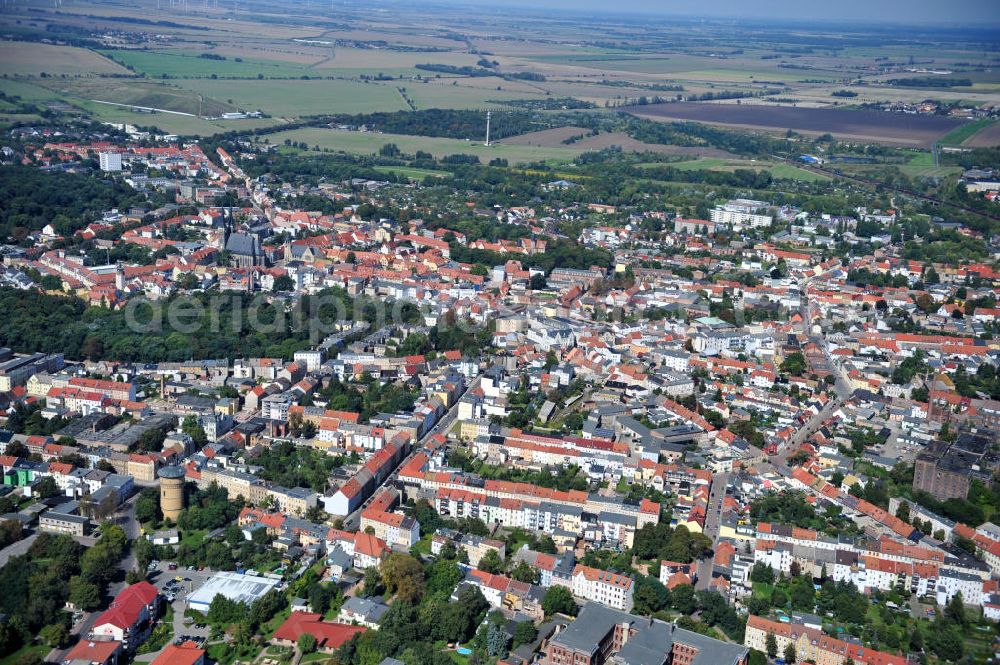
(168, 584)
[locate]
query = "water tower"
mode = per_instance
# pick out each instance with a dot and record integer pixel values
(171, 492)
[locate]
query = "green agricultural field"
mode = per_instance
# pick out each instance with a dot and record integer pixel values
(777, 170)
(639, 65)
(682, 67)
(736, 75)
(149, 94)
(790, 172)
(10, 119)
(368, 143)
(27, 91)
(39, 651)
(958, 135)
(441, 94)
(293, 98)
(190, 64)
(413, 173)
(169, 122)
(372, 60)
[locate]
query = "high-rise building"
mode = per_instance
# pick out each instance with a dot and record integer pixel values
(110, 161)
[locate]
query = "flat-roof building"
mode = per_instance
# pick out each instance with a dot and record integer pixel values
(234, 586)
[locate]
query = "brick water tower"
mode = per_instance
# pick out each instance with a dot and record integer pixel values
(171, 492)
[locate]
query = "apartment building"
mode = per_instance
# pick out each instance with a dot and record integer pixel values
(600, 586)
(393, 528)
(813, 644)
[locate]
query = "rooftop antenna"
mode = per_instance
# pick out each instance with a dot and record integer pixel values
(488, 129)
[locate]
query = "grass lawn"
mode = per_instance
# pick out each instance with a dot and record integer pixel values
(368, 143)
(193, 538)
(334, 611)
(267, 629)
(40, 650)
(423, 545)
(225, 654)
(763, 590)
(454, 655)
(275, 650)
(789, 172)
(459, 658)
(218, 652)
(922, 166)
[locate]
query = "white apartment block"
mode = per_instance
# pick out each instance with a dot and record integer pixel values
(600, 586)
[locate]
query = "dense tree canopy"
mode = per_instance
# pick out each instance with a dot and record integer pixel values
(69, 201)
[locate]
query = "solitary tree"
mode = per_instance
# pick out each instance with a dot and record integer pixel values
(491, 562)
(771, 645)
(558, 599)
(54, 635)
(496, 640)
(403, 576)
(790, 655)
(307, 643)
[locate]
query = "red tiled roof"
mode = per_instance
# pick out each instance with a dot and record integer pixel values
(328, 635)
(186, 653)
(127, 606)
(366, 543)
(94, 652)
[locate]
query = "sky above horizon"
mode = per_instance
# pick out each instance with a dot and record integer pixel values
(969, 12)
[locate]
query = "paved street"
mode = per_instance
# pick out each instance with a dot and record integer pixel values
(125, 518)
(353, 521)
(716, 496)
(841, 384)
(813, 424)
(17, 549)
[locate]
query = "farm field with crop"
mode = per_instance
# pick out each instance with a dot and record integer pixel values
(778, 170)
(190, 64)
(581, 138)
(913, 130)
(34, 59)
(367, 143)
(294, 98)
